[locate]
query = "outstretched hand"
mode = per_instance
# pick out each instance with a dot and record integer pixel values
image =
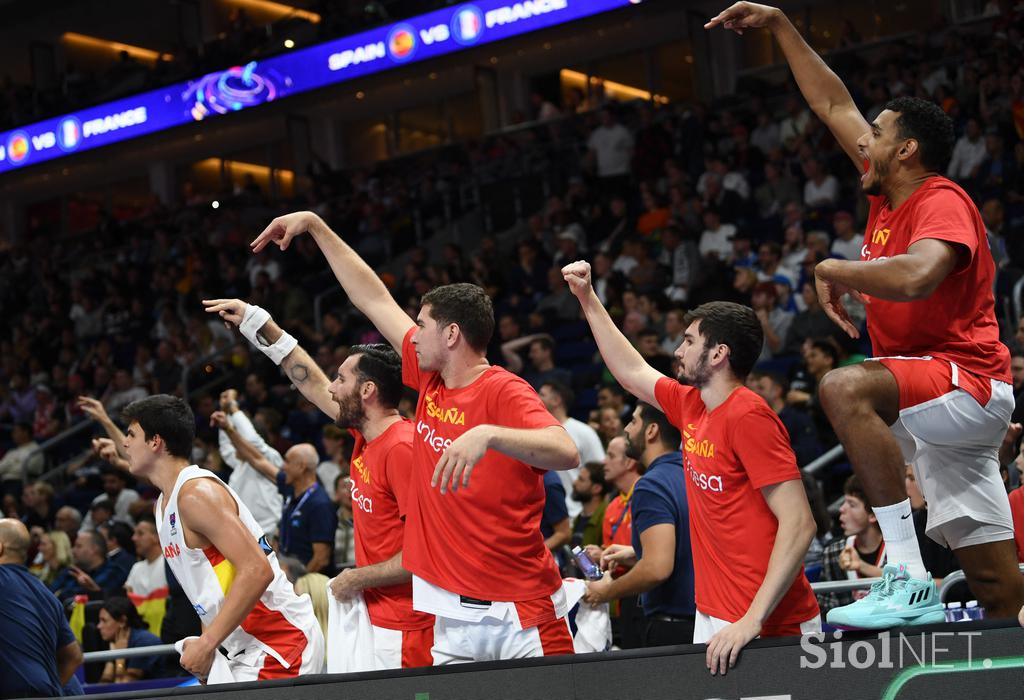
(283, 229)
(743, 15)
(231, 310)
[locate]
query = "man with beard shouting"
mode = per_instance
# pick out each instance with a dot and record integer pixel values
(363, 398)
(750, 523)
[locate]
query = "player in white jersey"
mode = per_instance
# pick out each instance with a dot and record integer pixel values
(219, 554)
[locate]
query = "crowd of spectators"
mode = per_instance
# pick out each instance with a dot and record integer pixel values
(674, 205)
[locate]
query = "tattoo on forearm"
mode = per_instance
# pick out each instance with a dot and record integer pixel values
(298, 373)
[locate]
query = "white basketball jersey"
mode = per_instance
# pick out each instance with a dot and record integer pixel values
(281, 623)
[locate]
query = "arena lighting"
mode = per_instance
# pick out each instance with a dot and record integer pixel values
(136, 52)
(289, 44)
(577, 79)
(278, 8)
(241, 87)
(215, 204)
(254, 169)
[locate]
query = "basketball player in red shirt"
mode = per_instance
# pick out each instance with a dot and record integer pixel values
(938, 393)
(750, 523)
(364, 398)
(474, 547)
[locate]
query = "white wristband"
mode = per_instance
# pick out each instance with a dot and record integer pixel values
(279, 350)
(253, 320)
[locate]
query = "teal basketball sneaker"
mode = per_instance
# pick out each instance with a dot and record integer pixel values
(894, 601)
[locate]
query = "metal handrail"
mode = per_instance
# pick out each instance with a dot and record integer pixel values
(953, 579)
(843, 586)
(133, 653)
(816, 465)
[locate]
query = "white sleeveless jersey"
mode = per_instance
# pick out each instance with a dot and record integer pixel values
(281, 623)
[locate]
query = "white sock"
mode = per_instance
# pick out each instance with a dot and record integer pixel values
(901, 547)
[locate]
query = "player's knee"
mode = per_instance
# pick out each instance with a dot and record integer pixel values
(840, 394)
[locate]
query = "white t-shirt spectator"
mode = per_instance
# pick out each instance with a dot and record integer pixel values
(718, 241)
(614, 149)
(328, 471)
(967, 155)
(146, 577)
(849, 250)
(589, 446)
(765, 137)
(258, 493)
(124, 501)
(791, 127)
(824, 195)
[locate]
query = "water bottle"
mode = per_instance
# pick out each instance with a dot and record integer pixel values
(974, 611)
(953, 613)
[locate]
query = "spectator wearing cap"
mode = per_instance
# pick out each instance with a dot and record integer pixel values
(23, 456)
(847, 243)
(775, 321)
(39, 651)
(569, 245)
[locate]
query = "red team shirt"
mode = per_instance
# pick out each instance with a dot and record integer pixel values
(957, 322)
(483, 542)
(729, 454)
(380, 473)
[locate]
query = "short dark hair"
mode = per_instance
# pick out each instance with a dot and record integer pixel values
(166, 416)
(778, 380)
(119, 606)
(105, 504)
(925, 122)
(852, 487)
(146, 518)
(733, 325)
(596, 472)
(122, 534)
(545, 342)
(97, 539)
(827, 348)
(668, 434)
(568, 398)
(466, 305)
(380, 364)
(647, 332)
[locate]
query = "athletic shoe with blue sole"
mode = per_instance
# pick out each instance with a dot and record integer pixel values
(894, 601)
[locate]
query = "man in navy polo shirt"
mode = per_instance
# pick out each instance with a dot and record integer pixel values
(92, 574)
(309, 518)
(662, 565)
(38, 649)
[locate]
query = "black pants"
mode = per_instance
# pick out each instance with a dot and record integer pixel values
(663, 633)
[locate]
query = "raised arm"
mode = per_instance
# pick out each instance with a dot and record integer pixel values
(362, 285)
(821, 87)
(510, 351)
(244, 449)
(211, 513)
(299, 367)
(626, 364)
(95, 410)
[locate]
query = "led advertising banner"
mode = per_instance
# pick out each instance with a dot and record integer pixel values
(241, 87)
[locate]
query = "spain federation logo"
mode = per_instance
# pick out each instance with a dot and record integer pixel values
(69, 133)
(17, 147)
(402, 42)
(467, 25)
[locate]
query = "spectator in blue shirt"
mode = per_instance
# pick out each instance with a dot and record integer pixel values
(39, 651)
(93, 574)
(122, 628)
(309, 518)
(662, 565)
(554, 521)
